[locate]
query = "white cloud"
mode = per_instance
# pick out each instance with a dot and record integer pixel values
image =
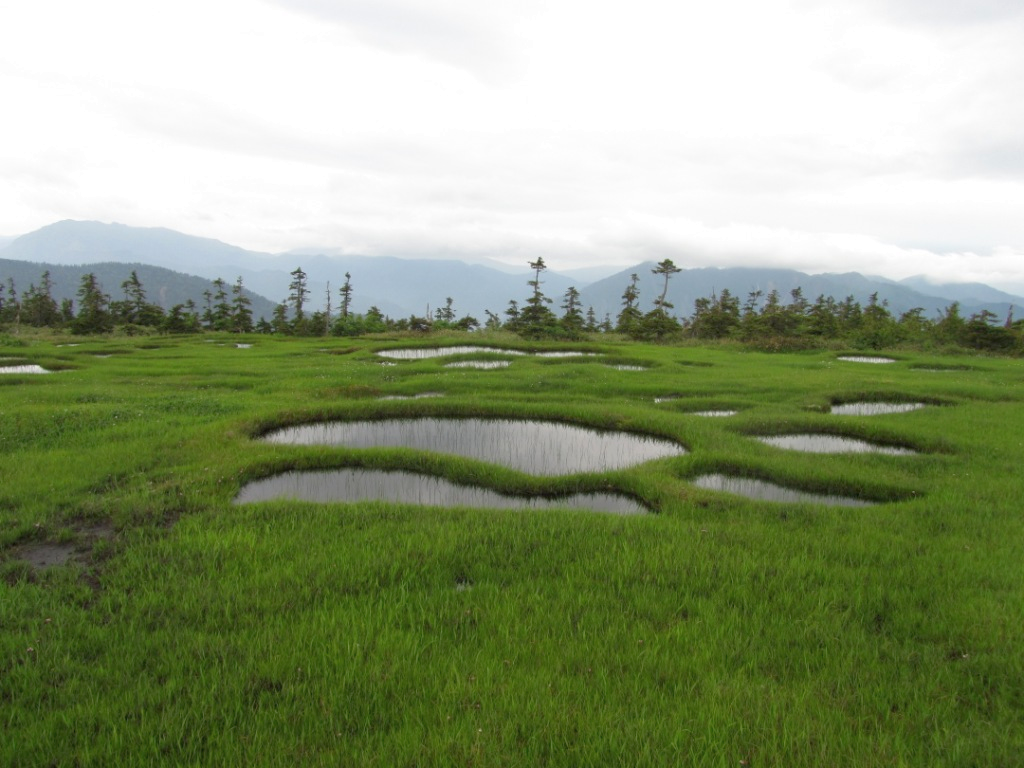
(736, 132)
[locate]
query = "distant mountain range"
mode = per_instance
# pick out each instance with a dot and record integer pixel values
(164, 287)
(403, 287)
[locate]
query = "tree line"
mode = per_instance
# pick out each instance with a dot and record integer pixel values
(762, 320)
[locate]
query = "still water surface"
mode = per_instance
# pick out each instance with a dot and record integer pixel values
(873, 409)
(483, 365)
(537, 447)
(353, 485)
(23, 369)
(865, 359)
(831, 444)
(426, 353)
(764, 491)
(431, 352)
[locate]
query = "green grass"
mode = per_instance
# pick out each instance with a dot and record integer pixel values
(716, 631)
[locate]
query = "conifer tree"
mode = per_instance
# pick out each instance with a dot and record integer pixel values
(298, 293)
(93, 308)
(240, 312)
(536, 319)
(630, 316)
(346, 295)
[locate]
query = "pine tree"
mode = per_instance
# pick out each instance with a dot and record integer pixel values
(572, 320)
(327, 312)
(665, 268)
(346, 295)
(298, 293)
(240, 312)
(630, 316)
(221, 307)
(38, 307)
(93, 308)
(536, 319)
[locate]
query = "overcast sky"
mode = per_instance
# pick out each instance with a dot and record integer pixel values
(880, 136)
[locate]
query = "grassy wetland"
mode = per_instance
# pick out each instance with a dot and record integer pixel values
(147, 618)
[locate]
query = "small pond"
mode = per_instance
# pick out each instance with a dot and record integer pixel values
(873, 409)
(431, 352)
(482, 365)
(765, 491)
(831, 444)
(353, 485)
(865, 359)
(23, 369)
(628, 367)
(715, 414)
(565, 354)
(536, 447)
(420, 396)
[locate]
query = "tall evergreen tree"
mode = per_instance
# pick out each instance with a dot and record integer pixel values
(514, 316)
(536, 319)
(629, 318)
(572, 321)
(346, 295)
(93, 308)
(10, 307)
(298, 293)
(38, 307)
(666, 269)
(240, 310)
(657, 324)
(221, 306)
(327, 312)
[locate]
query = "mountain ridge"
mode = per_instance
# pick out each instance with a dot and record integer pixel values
(401, 287)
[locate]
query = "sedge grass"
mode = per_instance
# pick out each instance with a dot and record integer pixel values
(716, 631)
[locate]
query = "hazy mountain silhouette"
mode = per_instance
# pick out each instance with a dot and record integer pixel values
(403, 287)
(691, 284)
(163, 287)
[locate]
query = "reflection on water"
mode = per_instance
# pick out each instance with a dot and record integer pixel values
(23, 369)
(537, 447)
(831, 444)
(763, 491)
(427, 353)
(865, 359)
(419, 396)
(348, 485)
(565, 354)
(715, 413)
(483, 365)
(873, 409)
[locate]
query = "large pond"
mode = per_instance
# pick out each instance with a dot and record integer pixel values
(354, 485)
(873, 409)
(765, 491)
(811, 443)
(536, 447)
